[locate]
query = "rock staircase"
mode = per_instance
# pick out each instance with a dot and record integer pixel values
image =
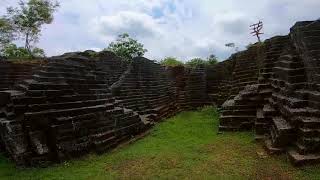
(64, 111)
(272, 51)
(245, 71)
(307, 117)
(288, 77)
(12, 73)
(240, 113)
(146, 89)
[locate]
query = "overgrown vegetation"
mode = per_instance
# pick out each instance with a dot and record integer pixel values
(127, 47)
(198, 62)
(186, 146)
(171, 61)
(24, 23)
(11, 51)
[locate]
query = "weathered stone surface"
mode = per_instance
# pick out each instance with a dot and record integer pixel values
(287, 100)
(78, 103)
(85, 102)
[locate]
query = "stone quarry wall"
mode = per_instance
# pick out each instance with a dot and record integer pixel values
(78, 103)
(75, 104)
(219, 81)
(11, 73)
(190, 87)
(64, 110)
(282, 106)
(146, 89)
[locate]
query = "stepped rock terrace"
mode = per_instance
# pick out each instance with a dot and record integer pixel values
(74, 104)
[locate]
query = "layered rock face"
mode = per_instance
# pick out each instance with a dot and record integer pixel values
(146, 89)
(75, 104)
(64, 110)
(219, 81)
(11, 73)
(283, 104)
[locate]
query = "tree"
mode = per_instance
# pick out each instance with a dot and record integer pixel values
(6, 32)
(212, 60)
(171, 61)
(28, 19)
(12, 51)
(126, 47)
(196, 62)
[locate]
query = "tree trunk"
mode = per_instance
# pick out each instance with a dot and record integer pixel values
(27, 45)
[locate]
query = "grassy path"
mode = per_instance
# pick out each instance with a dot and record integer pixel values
(184, 147)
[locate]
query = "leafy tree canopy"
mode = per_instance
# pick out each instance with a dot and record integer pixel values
(6, 32)
(12, 51)
(27, 20)
(127, 47)
(212, 60)
(171, 61)
(198, 62)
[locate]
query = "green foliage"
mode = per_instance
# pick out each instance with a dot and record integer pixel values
(171, 61)
(11, 51)
(212, 60)
(38, 52)
(126, 47)
(6, 32)
(186, 146)
(198, 62)
(28, 19)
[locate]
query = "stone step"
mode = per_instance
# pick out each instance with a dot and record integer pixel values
(49, 93)
(309, 132)
(268, 110)
(105, 145)
(67, 105)
(236, 119)
(289, 64)
(309, 39)
(271, 149)
(79, 97)
(307, 122)
(311, 32)
(281, 132)
(308, 95)
(294, 79)
(246, 71)
(241, 112)
(307, 111)
(243, 126)
(244, 80)
(300, 159)
(290, 101)
(65, 112)
(288, 71)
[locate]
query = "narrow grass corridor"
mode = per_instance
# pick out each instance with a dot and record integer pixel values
(186, 146)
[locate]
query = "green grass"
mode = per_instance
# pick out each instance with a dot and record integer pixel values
(186, 146)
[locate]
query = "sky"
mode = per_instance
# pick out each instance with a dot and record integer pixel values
(184, 29)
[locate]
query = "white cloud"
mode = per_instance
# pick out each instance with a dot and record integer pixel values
(181, 28)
